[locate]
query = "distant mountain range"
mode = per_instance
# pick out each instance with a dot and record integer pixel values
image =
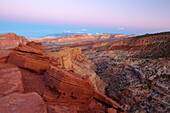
(63, 34)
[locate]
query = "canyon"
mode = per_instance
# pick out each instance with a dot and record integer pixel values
(133, 71)
(86, 73)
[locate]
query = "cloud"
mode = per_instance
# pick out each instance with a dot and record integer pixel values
(121, 28)
(79, 32)
(67, 31)
(83, 29)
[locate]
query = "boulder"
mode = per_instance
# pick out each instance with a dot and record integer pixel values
(10, 79)
(31, 59)
(73, 90)
(35, 45)
(22, 103)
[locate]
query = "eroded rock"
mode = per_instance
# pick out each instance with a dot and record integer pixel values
(35, 45)
(73, 90)
(32, 59)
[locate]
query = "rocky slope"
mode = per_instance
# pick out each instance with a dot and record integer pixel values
(33, 82)
(11, 40)
(136, 71)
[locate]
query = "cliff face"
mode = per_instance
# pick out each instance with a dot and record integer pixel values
(11, 40)
(32, 81)
(136, 71)
(72, 59)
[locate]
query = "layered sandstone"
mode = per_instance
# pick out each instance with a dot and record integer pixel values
(72, 59)
(11, 40)
(74, 90)
(30, 58)
(35, 45)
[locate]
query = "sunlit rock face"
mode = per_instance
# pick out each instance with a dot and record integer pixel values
(72, 59)
(30, 58)
(11, 40)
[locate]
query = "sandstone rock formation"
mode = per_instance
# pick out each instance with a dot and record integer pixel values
(22, 103)
(75, 90)
(35, 45)
(11, 40)
(72, 59)
(27, 89)
(30, 58)
(72, 89)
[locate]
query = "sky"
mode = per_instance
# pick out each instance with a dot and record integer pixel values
(34, 18)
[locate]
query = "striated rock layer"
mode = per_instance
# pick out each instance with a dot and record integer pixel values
(72, 59)
(29, 58)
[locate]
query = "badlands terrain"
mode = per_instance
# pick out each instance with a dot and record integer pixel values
(85, 73)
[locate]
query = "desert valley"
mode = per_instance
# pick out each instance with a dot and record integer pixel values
(85, 73)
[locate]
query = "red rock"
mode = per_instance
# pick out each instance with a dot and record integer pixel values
(35, 45)
(78, 91)
(32, 59)
(22, 103)
(73, 90)
(10, 79)
(72, 59)
(11, 40)
(4, 55)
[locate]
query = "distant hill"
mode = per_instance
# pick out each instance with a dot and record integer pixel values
(63, 34)
(11, 40)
